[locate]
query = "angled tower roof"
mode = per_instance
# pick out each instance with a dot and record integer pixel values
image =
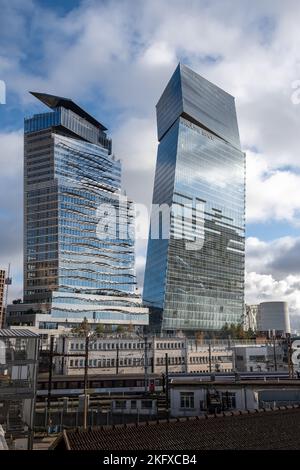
(199, 101)
(53, 101)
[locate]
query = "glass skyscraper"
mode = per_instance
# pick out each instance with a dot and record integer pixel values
(194, 277)
(69, 270)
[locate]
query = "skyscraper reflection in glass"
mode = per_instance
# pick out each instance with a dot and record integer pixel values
(199, 166)
(68, 269)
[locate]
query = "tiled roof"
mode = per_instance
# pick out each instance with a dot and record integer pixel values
(17, 333)
(262, 429)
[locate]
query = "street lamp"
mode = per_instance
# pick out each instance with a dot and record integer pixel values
(88, 335)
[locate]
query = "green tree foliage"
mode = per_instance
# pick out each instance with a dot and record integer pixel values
(235, 332)
(83, 329)
(99, 329)
(120, 329)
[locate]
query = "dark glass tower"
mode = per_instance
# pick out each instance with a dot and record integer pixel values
(69, 172)
(200, 174)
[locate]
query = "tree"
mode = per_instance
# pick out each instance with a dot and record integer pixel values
(120, 329)
(250, 334)
(240, 333)
(225, 331)
(99, 329)
(199, 335)
(83, 329)
(235, 332)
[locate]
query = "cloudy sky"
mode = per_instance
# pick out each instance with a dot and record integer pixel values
(115, 58)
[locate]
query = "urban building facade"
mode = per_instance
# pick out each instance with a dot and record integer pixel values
(77, 264)
(190, 397)
(260, 358)
(194, 277)
(134, 355)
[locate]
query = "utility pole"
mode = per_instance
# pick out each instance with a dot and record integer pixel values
(186, 352)
(209, 356)
(274, 352)
(288, 342)
(167, 382)
(63, 355)
(50, 378)
(117, 361)
(86, 381)
(290, 352)
(232, 351)
(146, 364)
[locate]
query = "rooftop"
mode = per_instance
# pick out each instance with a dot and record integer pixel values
(198, 382)
(17, 333)
(53, 101)
(253, 430)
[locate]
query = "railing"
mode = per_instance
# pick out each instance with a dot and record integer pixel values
(15, 383)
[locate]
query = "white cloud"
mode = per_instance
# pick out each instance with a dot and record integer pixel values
(271, 193)
(11, 154)
(11, 207)
(158, 54)
(121, 58)
(129, 55)
(279, 257)
(263, 287)
(136, 153)
(273, 271)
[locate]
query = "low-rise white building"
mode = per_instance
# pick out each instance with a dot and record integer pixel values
(205, 358)
(259, 358)
(128, 355)
(190, 396)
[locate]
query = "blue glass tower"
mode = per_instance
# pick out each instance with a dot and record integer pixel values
(200, 167)
(69, 270)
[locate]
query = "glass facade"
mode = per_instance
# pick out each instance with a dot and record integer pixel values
(67, 265)
(200, 173)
